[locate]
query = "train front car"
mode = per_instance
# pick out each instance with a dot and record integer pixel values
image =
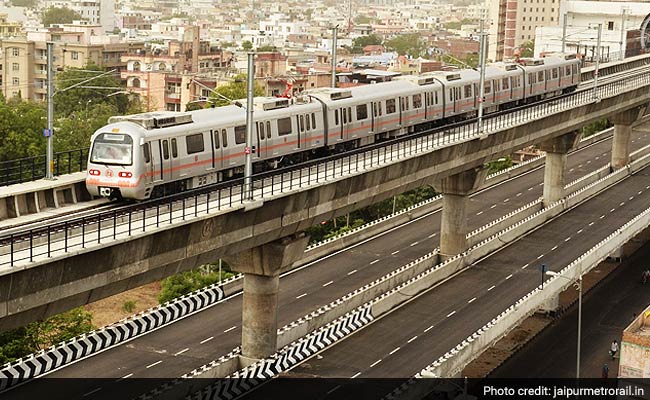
(115, 163)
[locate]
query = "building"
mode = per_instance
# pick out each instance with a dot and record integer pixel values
(24, 60)
(95, 12)
(622, 25)
(635, 348)
(513, 22)
(10, 29)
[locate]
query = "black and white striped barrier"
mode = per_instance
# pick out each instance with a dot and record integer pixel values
(85, 345)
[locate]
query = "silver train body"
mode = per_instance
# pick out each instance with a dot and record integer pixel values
(147, 154)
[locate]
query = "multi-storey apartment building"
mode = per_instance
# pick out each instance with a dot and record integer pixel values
(96, 12)
(513, 22)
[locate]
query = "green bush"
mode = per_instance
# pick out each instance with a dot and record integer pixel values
(189, 281)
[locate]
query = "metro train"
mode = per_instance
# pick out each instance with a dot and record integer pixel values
(150, 154)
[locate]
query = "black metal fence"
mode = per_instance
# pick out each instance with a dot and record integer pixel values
(33, 168)
(140, 217)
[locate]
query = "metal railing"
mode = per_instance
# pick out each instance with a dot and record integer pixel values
(138, 218)
(33, 168)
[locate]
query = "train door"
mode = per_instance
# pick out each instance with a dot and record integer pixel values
(165, 162)
(263, 134)
(174, 162)
(148, 163)
(401, 110)
(217, 150)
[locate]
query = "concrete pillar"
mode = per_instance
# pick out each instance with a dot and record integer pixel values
(621, 140)
(455, 191)
(555, 168)
(262, 266)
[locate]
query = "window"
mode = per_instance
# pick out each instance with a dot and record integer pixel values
(505, 84)
(610, 25)
(568, 70)
(436, 97)
(260, 130)
(540, 76)
(417, 100)
(301, 123)
(194, 143)
(336, 117)
(531, 78)
(74, 55)
(468, 91)
(165, 149)
(15, 67)
(362, 112)
(344, 115)
(174, 148)
(488, 87)
(268, 130)
(313, 122)
(307, 122)
(15, 52)
(16, 81)
(215, 137)
(554, 73)
(240, 134)
(284, 126)
(147, 153)
(224, 138)
(390, 106)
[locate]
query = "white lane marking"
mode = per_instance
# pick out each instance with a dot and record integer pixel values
(602, 216)
(506, 200)
(588, 161)
(230, 329)
(622, 204)
(519, 194)
(394, 351)
(92, 391)
(432, 235)
(490, 288)
(639, 192)
(541, 184)
(302, 295)
(395, 252)
(554, 248)
(182, 351)
(571, 170)
(376, 261)
(597, 157)
(154, 364)
(375, 363)
(451, 313)
(125, 376)
(414, 244)
(333, 389)
(531, 188)
(412, 339)
(509, 276)
(540, 256)
(429, 328)
(205, 340)
(494, 205)
(647, 187)
(580, 231)
(525, 266)
(328, 283)
(591, 223)
(567, 239)
(612, 210)
(479, 213)
(471, 300)
(354, 271)
(580, 166)
(355, 375)
(631, 197)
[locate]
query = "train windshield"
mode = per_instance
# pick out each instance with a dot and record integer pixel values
(112, 148)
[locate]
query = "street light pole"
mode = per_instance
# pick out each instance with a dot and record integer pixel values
(248, 166)
(49, 159)
(334, 34)
(481, 97)
(564, 25)
(622, 55)
(600, 29)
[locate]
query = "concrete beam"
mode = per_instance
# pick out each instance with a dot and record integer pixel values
(455, 191)
(555, 168)
(621, 140)
(261, 266)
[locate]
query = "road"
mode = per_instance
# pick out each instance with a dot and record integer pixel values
(408, 339)
(178, 348)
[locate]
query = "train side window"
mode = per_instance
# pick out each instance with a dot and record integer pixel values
(436, 97)
(362, 112)
(417, 100)
(451, 95)
(174, 148)
(268, 129)
(497, 85)
(540, 76)
(284, 126)
(390, 106)
(224, 137)
(165, 149)
(379, 109)
(505, 84)
(215, 135)
(194, 143)
(313, 120)
(147, 153)
(260, 130)
(467, 89)
(307, 122)
(568, 70)
(554, 73)
(531, 78)
(302, 123)
(575, 69)
(350, 114)
(345, 115)
(336, 117)
(488, 87)
(240, 134)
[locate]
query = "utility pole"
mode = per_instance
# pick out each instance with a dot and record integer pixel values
(600, 29)
(564, 25)
(248, 165)
(481, 97)
(622, 55)
(49, 132)
(334, 33)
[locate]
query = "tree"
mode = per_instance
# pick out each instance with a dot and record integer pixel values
(189, 281)
(24, 3)
(409, 44)
(267, 48)
(59, 15)
(21, 129)
(469, 61)
(359, 43)
(499, 165)
(247, 45)
(527, 49)
(235, 90)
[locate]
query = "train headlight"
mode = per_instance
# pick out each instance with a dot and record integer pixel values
(125, 174)
(94, 172)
